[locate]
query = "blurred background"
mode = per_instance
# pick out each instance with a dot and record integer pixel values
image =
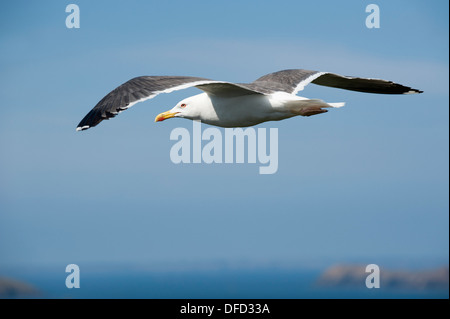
(364, 184)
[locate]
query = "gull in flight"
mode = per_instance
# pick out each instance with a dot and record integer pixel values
(272, 97)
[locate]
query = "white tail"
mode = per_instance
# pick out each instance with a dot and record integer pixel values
(309, 107)
(338, 104)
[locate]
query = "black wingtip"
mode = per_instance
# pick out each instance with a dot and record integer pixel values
(413, 91)
(82, 128)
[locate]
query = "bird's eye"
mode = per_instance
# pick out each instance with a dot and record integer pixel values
(183, 106)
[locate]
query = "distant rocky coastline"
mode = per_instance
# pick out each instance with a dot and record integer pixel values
(354, 276)
(11, 288)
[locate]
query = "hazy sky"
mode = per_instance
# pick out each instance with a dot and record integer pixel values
(365, 182)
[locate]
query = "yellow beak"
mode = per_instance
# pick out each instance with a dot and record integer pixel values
(165, 116)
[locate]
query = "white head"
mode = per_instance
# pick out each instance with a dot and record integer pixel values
(190, 108)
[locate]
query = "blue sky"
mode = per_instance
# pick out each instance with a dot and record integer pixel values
(366, 183)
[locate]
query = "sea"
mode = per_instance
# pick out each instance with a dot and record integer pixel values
(268, 283)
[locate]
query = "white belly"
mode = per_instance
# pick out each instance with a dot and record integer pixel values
(242, 111)
(252, 109)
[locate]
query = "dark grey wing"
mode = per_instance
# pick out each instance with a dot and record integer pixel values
(292, 81)
(363, 84)
(289, 81)
(146, 87)
(227, 89)
(133, 91)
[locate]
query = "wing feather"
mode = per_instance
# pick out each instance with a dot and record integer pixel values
(146, 87)
(292, 81)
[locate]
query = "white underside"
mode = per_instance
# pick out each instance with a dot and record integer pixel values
(248, 110)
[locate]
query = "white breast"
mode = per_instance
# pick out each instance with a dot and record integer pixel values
(241, 111)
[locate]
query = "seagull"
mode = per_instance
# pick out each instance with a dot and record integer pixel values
(272, 97)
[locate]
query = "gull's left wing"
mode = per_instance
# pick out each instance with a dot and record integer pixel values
(292, 81)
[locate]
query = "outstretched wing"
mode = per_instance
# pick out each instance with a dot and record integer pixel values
(292, 81)
(146, 87)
